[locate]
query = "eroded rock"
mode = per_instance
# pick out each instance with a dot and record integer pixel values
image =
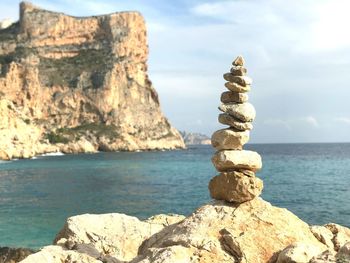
(228, 160)
(235, 186)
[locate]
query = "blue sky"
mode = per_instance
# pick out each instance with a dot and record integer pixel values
(297, 52)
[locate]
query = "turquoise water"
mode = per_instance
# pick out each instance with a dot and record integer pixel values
(36, 196)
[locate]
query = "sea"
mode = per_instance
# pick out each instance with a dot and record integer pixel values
(37, 195)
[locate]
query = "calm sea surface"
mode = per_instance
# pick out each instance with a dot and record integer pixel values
(36, 196)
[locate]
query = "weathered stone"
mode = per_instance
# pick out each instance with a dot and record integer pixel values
(229, 139)
(325, 257)
(240, 80)
(12, 255)
(232, 97)
(343, 254)
(299, 253)
(235, 186)
(239, 61)
(59, 254)
(242, 111)
(116, 235)
(227, 119)
(238, 71)
(236, 87)
(165, 220)
(250, 232)
(229, 160)
(341, 235)
(323, 235)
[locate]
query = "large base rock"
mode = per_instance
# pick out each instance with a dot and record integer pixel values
(235, 186)
(253, 231)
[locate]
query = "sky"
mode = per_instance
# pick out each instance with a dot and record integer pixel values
(297, 53)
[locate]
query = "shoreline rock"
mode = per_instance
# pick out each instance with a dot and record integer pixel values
(252, 231)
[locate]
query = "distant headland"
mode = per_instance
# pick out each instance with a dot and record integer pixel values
(75, 85)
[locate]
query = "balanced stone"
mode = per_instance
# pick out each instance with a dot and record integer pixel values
(236, 186)
(227, 119)
(242, 111)
(239, 61)
(236, 87)
(230, 160)
(241, 80)
(229, 96)
(229, 139)
(238, 71)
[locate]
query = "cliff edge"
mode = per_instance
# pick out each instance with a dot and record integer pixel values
(78, 85)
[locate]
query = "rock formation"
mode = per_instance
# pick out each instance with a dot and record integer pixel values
(249, 232)
(236, 181)
(78, 85)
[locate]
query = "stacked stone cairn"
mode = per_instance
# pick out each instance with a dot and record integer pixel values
(236, 182)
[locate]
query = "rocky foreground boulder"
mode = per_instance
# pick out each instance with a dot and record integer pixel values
(249, 232)
(78, 85)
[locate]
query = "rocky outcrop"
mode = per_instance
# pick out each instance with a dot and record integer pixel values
(253, 231)
(80, 84)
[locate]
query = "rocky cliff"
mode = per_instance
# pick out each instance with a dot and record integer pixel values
(78, 85)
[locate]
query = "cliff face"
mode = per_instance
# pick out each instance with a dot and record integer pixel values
(81, 83)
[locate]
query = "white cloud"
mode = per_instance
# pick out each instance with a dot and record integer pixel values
(342, 120)
(305, 26)
(293, 123)
(277, 122)
(310, 120)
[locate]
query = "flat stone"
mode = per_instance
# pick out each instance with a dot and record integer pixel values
(235, 187)
(242, 111)
(239, 61)
(229, 139)
(236, 87)
(230, 160)
(227, 119)
(238, 71)
(241, 80)
(229, 96)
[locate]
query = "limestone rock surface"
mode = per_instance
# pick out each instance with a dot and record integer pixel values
(238, 71)
(228, 160)
(12, 255)
(236, 87)
(68, 78)
(229, 139)
(227, 119)
(299, 252)
(235, 186)
(59, 254)
(242, 111)
(253, 231)
(103, 232)
(240, 80)
(227, 97)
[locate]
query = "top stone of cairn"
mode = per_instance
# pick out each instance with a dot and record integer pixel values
(239, 61)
